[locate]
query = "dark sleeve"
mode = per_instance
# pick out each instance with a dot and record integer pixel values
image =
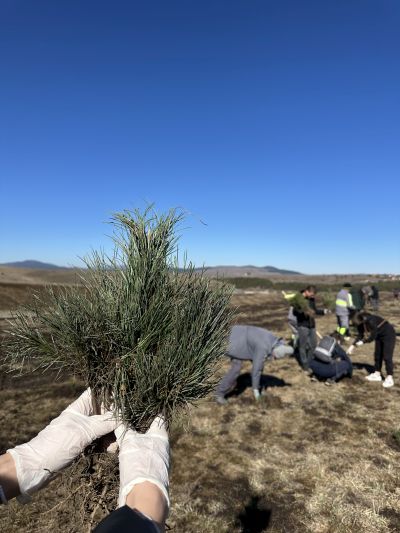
(372, 328)
(317, 311)
(360, 333)
(299, 314)
(125, 520)
(339, 353)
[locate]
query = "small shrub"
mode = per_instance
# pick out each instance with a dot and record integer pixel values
(328, 300)
(144, 334)
(396, 436)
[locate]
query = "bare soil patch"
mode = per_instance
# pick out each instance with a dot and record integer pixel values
(308, 458)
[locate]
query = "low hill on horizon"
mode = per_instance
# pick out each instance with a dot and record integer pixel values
(39, 276)
(37, 272)
(220, 270)
(248, 271)
(32, 263)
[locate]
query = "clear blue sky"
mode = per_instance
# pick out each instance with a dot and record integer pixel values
(275, 122)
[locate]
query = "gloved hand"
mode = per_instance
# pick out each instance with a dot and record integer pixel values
(359, 343)
(57, 445)
(350, 350)
(327, 311)
(257, 394)
(143, 457)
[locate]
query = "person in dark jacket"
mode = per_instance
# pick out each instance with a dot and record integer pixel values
(330, 362)
(305, 310)
(374, 298)
(358, 298)
(250, 343)
(375, 328)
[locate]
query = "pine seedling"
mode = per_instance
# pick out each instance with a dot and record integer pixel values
(300, 303)
(144, 334)
(328, 300)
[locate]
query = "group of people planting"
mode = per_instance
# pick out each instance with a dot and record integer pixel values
(324, 359)
(144, 458)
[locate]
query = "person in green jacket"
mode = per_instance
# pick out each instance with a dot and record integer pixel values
(358, 298)
(305, 310)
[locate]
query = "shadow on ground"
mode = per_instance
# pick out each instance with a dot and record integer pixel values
(364, 366)
(254, 518)
(266, 382)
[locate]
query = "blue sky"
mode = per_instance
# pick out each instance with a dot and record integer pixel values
(275, 122)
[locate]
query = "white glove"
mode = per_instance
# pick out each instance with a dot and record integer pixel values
(257, 394)
(143, 457)
(359, 343)
(350, 350)
(57, 445)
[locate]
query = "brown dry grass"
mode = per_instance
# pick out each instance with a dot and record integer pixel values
(309, 458)
(37, 276)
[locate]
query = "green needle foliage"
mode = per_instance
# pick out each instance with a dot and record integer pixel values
(143, 334)
(300, 303)
(328, 300)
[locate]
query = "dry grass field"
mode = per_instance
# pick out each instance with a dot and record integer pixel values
(308, 458)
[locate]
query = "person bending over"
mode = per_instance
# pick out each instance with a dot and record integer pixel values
(250, 343)
(143, 464)
(375, 328)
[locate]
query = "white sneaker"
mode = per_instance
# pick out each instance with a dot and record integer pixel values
(388, 382)
(375, 376)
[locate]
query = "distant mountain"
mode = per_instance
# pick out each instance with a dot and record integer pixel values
(281, 271)
(228, 271)
(248, 271)
(30, 263)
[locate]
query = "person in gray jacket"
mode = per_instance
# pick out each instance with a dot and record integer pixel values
(250, 343)
(344, 307)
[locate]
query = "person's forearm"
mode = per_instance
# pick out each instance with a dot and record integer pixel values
(8, 476)
(148, 499)
(255, 379)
